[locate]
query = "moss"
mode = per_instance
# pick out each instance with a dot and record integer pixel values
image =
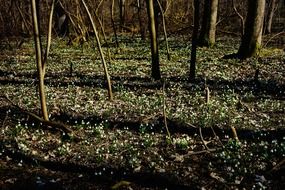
(265, 52)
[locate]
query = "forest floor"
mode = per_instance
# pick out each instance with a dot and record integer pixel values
(124, 144)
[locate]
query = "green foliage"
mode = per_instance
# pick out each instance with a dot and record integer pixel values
(182, 142)
(235, 100)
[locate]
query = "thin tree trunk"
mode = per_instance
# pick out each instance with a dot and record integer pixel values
(104, 37)
(194, 41)
(113, 23)
(26, 28)
(142, 31)
(271, 11)
(164, 29)
(100, 51)
(240, 17)
(48, 38)
(122, 13)
(155, 70)
(38, 51)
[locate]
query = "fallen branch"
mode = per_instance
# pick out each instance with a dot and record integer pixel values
(234, 133)
(217, 137)
(228, 32)
(216, 177)
(201, 151)
(202, 139)
(272, 38)
(57, 125)
(5, 119)
(278, 166)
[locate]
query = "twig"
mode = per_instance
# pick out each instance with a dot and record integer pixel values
(272, 38)
(5, 119)
(278, 166)
(218, 178)
(164, 111)
(150, 118)
(202, 139)
(191, 125)
(217, 137)
(201, 151)
(207, 98)
(234, 133)
(207, 95)
(120, 185)
(240, 17)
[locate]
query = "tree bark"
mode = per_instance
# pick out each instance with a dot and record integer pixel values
(240, 17)
(164, 28)
(251, 40)
(110, 93)
(122, 12)
(113, 23)
(38, 51)
(208, 31)
(194, 41)
(48, 43)
(101, 23)
(270, 15)
(155, 70)
(142, 30)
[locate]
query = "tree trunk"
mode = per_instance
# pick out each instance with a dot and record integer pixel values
(155, 70)
(240, 17)
(101, 23)
(38, 51)
(110, 93)
(164, 28)
(113, 23)
(194, 41)
(270, 15)
(251, 40)
(208, 31)
(122, 12)
(142, 30)
(48, 42)
(157, 16)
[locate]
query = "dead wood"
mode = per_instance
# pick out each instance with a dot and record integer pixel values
(278, 166)
(50, 124)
